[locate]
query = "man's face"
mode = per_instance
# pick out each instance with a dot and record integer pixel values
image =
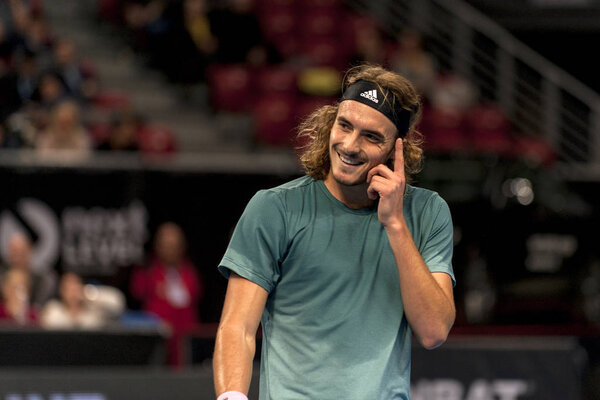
(361, 138)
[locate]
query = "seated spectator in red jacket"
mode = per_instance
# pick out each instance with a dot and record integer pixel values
(170, 286)
(15, 307)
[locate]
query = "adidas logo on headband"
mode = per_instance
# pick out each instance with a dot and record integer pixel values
(371, 95)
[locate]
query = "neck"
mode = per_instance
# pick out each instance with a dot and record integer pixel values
(354, 197)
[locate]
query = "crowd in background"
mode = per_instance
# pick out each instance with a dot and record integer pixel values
(50, 97)
(276, 60)
(167, 289)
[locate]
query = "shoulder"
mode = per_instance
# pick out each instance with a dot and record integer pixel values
(423, 195)
(426, 200)
(282, 194)
(296, 185)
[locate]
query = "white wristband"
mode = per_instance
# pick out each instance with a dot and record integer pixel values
(233, 395)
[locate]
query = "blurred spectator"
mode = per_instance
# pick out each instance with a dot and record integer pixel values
(65, 132)
(369, 42)
(245, 43)
(50, 90)
(37, 37)
(33, 32)
(9, 97)
(9, 43)
(189, 44)
(82, 306)
(79, 78)
(170, 286)
(122, 133)
(175, 35)
(18, 85)
(453, 92)
(10, 139)
(410, 59)
(20, 130)
(15, 307)
(42, 285)
(143, 19)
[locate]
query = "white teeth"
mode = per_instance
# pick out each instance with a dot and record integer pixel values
(349, 160)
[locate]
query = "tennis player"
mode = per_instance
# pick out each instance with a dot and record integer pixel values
(344, 264)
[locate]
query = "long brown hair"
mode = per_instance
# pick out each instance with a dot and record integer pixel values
(316, 128)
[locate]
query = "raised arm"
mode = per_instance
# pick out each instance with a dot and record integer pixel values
(236, 336)
(427, 297)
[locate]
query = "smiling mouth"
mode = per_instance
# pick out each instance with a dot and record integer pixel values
(349, 160)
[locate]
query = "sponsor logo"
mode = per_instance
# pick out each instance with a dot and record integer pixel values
(371, 95)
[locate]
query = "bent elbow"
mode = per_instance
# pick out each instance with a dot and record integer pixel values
(433, 342)
(434, 338)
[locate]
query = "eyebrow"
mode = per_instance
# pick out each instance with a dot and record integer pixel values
(377, 133)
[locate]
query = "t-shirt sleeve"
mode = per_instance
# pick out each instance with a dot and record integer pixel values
(258, 241)
(439, 245)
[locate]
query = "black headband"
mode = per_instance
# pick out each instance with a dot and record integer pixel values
(368, 93)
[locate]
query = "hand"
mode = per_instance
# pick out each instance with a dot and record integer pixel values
(389, 186)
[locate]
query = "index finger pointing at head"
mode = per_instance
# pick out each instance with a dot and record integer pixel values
(399, 157)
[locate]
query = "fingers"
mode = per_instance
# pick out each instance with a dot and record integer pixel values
(375, 188)
(381, 179)
(381, 170)
(381, 187)
(399, 158)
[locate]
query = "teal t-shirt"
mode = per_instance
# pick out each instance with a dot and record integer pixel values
(334, 324)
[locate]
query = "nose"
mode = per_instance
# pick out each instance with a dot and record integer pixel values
(351, 142)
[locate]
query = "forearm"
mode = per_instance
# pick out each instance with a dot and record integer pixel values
(233, 358)
(429, 308)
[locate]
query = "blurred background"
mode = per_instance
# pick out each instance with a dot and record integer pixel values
(133, 133)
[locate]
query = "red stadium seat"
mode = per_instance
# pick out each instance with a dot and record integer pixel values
(276, 79)
(488, 129)
(534, 149)
(444, 130)
(274, 120)
(288, 45)
(265, 5)
(230, 87)
(278, 21)
(322, 4)
(98, 132)
(324, 52)
(110, 10)
(156, 139)
(320, 22)
(112, 99)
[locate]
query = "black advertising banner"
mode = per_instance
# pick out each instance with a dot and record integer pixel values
(500, 368)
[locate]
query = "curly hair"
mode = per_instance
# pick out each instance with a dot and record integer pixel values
(315, 129)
